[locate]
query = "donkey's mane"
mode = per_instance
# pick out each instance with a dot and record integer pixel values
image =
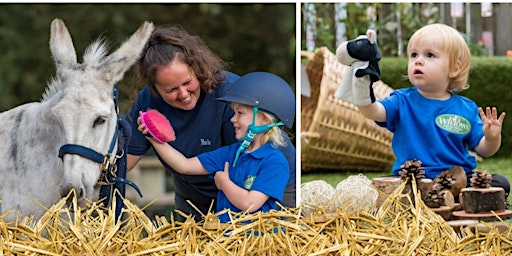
(93, 56)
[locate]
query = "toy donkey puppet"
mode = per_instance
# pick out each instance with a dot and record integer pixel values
(362, 55)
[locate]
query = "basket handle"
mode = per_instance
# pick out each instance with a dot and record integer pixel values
(307, 54)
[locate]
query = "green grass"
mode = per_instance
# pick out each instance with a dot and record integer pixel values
(497, 165)
(492, 165)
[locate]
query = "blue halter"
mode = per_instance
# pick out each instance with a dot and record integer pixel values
(252, 130)
(113, 171)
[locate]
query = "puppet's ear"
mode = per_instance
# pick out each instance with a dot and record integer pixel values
(372, 35)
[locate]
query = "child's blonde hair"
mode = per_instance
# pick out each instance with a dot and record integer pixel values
(274, 134)
(452, 42)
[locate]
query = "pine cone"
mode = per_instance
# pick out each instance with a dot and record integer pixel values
(434, 198)
(412, 168)
(444, 181)
(453, 179)
(481, 179)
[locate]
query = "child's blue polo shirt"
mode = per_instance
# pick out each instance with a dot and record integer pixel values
(439, 133)
(265, 170)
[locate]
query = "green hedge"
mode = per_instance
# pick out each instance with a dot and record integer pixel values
(489, 81)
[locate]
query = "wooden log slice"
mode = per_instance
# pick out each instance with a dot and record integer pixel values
(488, 227)
(481, 200)
(487, 216)
(449, 200)
(387, 185)
(459, 225)
(444, 211)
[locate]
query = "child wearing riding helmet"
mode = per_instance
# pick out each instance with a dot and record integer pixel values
(251, 175)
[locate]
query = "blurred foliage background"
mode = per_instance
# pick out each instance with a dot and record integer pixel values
(485, 26)
(250, 37)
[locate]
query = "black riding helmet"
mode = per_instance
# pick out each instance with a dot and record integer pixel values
(266, 91)
(263, 91)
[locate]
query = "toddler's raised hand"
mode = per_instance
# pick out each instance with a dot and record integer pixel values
(491, 122)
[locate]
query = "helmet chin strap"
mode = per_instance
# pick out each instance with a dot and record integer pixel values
(252, 130)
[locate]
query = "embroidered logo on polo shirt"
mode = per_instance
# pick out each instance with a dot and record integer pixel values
(205, 142)
(453, 123)
(249, 181)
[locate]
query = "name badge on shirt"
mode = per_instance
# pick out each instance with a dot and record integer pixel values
(453, 123)
(206, 142)
(249, 181)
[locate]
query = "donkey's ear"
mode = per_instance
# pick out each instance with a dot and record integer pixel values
(61, 45)
(116, 64)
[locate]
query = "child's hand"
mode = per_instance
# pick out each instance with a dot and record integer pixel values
(222, 177)
(491, 122)
(143, 129)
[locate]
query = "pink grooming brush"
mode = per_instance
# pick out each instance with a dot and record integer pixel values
(158, 126)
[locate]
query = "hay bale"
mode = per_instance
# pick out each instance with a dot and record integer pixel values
(395, 229)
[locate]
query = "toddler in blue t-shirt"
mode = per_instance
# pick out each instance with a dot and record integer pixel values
(429, 121)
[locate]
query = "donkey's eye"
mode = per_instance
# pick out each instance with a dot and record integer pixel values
(98, 121)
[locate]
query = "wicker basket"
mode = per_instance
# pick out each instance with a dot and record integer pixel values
(335, 136)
